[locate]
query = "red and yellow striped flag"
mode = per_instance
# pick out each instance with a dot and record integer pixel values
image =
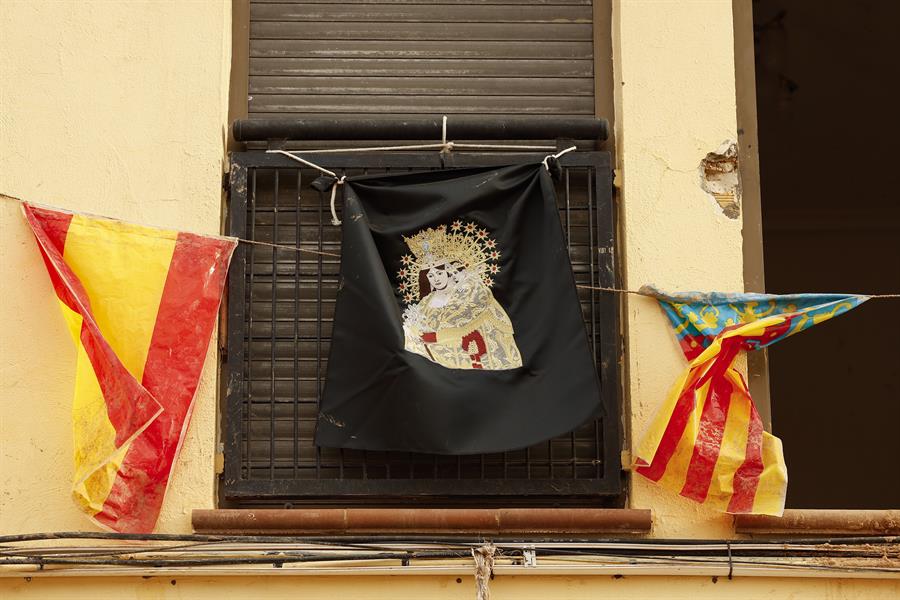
(707, 442)
(141, 305)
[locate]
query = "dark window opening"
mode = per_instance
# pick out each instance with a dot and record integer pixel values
(831, 223)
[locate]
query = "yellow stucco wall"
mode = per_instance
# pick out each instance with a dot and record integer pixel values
(675, 102)
(120, 108)
(446, 587)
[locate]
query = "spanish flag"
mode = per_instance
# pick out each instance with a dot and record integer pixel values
(707, 442)
(141, 305)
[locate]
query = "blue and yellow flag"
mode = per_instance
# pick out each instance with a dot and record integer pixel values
(707, 442)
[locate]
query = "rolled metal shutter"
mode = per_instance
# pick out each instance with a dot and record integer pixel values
(397, 58)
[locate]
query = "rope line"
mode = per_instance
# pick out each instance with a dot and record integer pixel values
(241, 240)
(442, 146)
(305, 162)
(284, 247)
(363, 149)
(445, 146)
(340, 180)
(640, 293)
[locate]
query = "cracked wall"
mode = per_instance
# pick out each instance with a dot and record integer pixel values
(675, 104)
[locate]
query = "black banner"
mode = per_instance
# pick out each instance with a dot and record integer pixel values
(457, 328)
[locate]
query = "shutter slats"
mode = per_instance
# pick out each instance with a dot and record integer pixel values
(418, 49)
(335, 14)
(396, 58)
(343, 103)
(336, 67)
(424, 86)
(460, 32)
(451, 2)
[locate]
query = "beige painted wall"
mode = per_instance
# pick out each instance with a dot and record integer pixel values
(115, 108)
(675, 102)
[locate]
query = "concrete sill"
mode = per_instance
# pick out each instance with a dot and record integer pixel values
(410, 521)
(822, 522)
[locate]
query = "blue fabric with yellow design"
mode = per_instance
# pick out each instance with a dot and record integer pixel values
(698, 317)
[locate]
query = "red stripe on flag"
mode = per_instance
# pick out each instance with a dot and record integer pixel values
(712, 426)
(181, 335)
(746, 478)
(50, 228)
(54, 224)
(128, 405)
(672, 435)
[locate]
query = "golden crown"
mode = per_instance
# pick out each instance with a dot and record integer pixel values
(466, 245)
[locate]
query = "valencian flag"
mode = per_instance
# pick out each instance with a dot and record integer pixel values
(707, 442)
(141, 305)
(457, 327)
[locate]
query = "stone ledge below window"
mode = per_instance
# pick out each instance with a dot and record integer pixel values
(822, 522)
(411, 521)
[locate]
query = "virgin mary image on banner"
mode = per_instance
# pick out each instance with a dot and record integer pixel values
(457, 326)
(456, 322)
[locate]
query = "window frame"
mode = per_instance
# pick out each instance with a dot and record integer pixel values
(604, 491)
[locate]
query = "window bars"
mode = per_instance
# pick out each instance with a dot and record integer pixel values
(280, 305)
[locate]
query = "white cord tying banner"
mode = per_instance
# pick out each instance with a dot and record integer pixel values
(555, 156)
(334, 217)
(444, 146)
(305, 162)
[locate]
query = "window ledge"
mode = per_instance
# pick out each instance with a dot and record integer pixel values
(822, 522)
(354, 521)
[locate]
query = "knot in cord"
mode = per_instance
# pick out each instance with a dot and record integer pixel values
(338, 181)
(445, 145)
(546, 161)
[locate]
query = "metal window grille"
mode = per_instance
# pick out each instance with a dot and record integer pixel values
(280, 305)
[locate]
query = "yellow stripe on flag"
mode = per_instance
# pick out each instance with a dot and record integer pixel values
(123, 268)
(734, 443)
(772, 489)
(650, 442)
(676, 472)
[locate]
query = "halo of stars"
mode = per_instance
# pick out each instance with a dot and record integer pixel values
(476, 251)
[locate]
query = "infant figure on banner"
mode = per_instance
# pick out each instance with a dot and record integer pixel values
(452, 317)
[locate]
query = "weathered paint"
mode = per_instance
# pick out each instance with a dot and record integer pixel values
(720, 178)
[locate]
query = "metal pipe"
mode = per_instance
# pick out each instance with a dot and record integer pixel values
(503, 521)
(822, 522)
(458, 128)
